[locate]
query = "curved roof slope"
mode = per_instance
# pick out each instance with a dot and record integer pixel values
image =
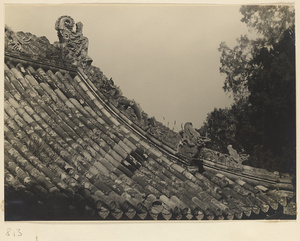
(69, 154)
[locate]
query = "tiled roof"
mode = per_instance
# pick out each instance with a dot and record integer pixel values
(70, 154)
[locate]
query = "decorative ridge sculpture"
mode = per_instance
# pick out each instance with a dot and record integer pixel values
(13, 40)
(238, 158)
(33, 48)
(73, 44)
(192, 146)
(191, 142)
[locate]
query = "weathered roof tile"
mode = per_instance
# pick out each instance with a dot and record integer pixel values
(65, 140)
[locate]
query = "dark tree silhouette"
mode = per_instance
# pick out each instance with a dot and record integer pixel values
(260, 74)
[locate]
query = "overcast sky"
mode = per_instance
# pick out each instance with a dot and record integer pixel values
(165, 57)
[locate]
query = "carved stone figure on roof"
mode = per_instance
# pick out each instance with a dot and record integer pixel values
(233, 154)
(233, 161)
(191, 137)
(73, 44)
(12, 40)
(191, 141)
(32, 47)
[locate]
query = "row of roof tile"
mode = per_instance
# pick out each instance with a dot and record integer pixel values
(62, 140)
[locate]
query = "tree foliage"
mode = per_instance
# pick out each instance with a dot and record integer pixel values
(270, 21)
(236, 65)
(260, 74)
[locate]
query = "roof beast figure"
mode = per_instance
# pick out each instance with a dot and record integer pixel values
(73, 44)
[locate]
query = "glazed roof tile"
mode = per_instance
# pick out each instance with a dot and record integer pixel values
(65, 141)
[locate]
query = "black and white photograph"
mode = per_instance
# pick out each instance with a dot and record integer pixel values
(149, 112)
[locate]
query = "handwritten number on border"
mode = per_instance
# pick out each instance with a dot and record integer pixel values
(13, 232)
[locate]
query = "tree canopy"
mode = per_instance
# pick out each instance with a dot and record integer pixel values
(260, 74)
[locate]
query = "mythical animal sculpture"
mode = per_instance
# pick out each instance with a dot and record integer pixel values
(13, 41)
(72, 43)
(238, 158)
(233, 161)
(191, 137)
(191, 141)
(32, 47)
